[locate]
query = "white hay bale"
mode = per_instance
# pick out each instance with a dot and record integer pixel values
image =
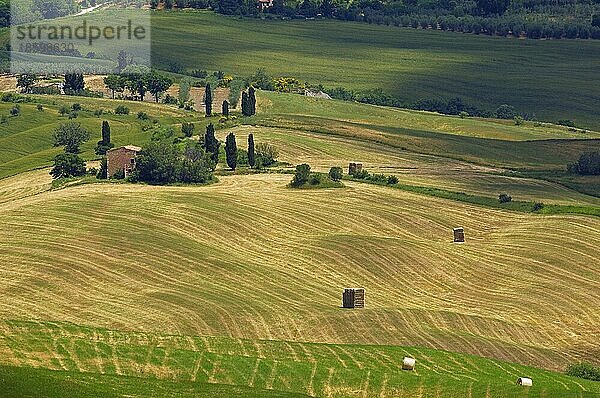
(524, 381)
(408, 363)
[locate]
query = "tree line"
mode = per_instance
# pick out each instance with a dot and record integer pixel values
(535, 19)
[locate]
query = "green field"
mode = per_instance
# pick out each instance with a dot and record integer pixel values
(90, 361)
(554, 79)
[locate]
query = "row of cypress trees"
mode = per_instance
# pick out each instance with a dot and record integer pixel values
(249, 102)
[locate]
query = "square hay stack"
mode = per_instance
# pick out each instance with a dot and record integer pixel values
(353, 298)
(459, 235)
(354, 167)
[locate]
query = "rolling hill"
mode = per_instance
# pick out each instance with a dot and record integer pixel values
(235, 288)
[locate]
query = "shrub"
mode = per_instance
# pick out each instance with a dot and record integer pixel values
(463, 114)
(187, 129)
(566, 122)
(121, 110)
(392, 180)
(15, 110)
(519, 120)
(301, 176)
(378, 178)
(361, 174)
(64, 110)
(98, 112)
(537, 206)
(73, 115)
(335, 173)
(40, 107)
(143, 116)
(76, 107)
(314, 179)
(504, 198)
(266, 153)
(584, 371)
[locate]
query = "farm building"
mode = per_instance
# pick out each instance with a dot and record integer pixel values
(264, 4)
(353, 298)
(121, 160)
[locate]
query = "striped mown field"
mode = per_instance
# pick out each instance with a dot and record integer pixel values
(85, 361)
(249, 258)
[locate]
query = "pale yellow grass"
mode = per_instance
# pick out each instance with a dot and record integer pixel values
(250, 258)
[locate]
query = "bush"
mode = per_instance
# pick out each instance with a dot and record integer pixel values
(463, 114)
(121, 110)
(98, 112)
(519, 120)
(15, 110)
(314, 179)
(187, 129)
(143, 116)
(336, 173)
(566, 122)
(504, 198)
(392, 180)
(537, 206)
(64, 110)
(267, 154)
(301, 176)
(40, 108)
(584, 371)
(76, 107)
(361, 174)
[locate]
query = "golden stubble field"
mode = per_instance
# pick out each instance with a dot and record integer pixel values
(250, 258)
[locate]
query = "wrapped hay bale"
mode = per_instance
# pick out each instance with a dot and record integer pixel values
(408, 363)
(524, 381)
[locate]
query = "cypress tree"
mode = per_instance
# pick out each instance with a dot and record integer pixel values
(251, 157)
(211, 144)
(231, 151)
(252, 100)
(208, 100)
(225, 108)
(245, 104)
(105, 133)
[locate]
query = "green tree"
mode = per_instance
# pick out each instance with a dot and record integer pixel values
(74, 83)
(103, 172)
(67, 165)
(158, 163)
(231, 151)
(266, 154)
(115, 83)
(335, 173)
(208, 100)
(26, 81)
(225, 108)
(245, 104)
(71, 135)
(301, 176)
(158, 84)
(251, 158)
(184, 90)
(211, 144)
(252, 100)
(104, 144)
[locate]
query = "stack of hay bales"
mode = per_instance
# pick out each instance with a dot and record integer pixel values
(354, 167)
(353, 298)
(459, 235)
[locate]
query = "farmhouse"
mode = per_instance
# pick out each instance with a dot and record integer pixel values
(121, 160)
(264, 4)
